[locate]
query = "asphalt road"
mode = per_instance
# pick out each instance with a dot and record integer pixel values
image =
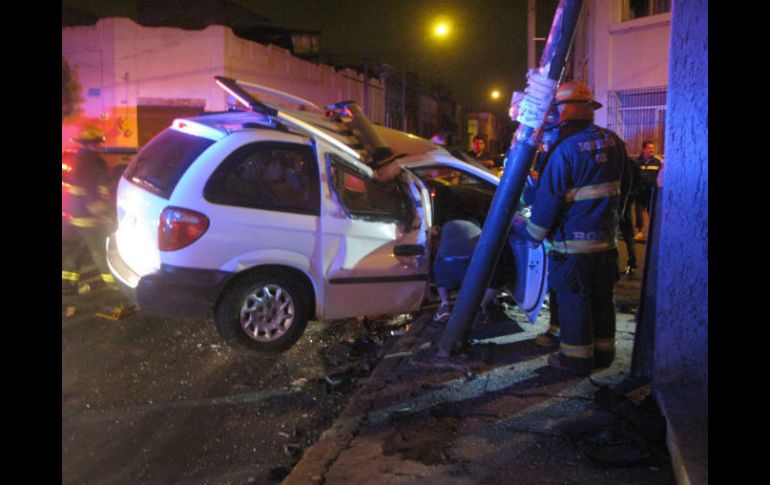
(159, 400)
(150, 400)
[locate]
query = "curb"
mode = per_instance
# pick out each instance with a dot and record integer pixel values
(321, 456)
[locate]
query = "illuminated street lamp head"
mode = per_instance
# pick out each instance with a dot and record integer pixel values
(441, 29)
(495, 94)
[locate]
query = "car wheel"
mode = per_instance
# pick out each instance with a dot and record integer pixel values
(264, 312)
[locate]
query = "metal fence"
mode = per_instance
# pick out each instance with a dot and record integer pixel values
(637, 115)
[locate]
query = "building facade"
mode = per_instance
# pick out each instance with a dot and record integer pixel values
(135, 80)
(622, 52)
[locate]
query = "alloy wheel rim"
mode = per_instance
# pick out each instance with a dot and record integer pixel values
(267, 313)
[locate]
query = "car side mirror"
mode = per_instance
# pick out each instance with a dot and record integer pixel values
(409, 250)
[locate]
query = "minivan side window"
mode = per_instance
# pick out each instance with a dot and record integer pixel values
(162, 162)
(368, 199)
(270, 176)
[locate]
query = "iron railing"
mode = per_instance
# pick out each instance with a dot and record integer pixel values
(637, 115)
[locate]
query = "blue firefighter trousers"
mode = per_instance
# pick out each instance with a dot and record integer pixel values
(584, 286)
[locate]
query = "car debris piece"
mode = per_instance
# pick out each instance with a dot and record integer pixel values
(118, 312)
(299, 382)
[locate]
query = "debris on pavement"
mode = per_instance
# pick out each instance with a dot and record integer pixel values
(278, 473)
(118, 312)
(299, 382)
(625, 429)
(425, 436)
(70, 311)
(293, 450)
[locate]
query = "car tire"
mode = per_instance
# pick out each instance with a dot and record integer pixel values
(263, 312)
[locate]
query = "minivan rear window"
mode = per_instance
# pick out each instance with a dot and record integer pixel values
(162, 162)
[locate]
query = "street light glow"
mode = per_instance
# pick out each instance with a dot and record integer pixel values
(495, 94)
(441, 29)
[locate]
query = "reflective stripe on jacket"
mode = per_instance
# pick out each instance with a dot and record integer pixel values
(576, 204)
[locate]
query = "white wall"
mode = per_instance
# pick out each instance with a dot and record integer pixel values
(621, 55)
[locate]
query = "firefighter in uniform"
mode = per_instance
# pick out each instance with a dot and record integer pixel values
(90, 215)
(576, 207)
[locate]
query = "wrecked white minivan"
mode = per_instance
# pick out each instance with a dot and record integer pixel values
(270, 217)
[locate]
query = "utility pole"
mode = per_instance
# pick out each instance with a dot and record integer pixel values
(532, 38)
(366, 87)
(531, 50)
(494, 234)
(403, 97)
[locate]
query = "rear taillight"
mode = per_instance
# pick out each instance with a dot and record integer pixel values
(179, 228)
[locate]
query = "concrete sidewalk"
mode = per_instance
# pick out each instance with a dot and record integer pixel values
(504, 418)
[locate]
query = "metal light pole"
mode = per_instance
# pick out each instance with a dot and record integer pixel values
(531, 48)
(495, 231)
(403, 98)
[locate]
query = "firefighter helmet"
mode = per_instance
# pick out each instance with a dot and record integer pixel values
(91, 134)
(576, 92)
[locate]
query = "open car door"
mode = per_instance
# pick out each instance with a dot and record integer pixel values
(531, 276)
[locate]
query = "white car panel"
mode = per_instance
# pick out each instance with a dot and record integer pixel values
(531, 272)
(138, 213)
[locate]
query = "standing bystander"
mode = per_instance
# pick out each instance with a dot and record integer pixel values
(649, 166)
(629, 192)
(480, 153)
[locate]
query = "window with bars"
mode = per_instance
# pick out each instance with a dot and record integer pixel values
(637, 115)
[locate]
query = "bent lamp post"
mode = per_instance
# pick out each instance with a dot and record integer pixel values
(494, 233)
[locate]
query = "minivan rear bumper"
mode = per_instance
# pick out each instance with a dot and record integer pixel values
(172, 291)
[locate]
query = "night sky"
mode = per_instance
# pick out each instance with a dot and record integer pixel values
(486, 48)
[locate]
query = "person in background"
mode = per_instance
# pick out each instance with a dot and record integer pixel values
(480, 153)
(628, 193)
(649, 166)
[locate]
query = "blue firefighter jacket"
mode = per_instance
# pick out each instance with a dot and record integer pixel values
(578, 195)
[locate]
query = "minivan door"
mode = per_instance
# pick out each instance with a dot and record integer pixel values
(375, 242)
(531, 276)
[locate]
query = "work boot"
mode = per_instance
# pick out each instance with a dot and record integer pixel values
(547, 340)
(603, 358)
(577, 366)
(630, 270)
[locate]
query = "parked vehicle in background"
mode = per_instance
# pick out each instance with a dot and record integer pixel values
(267, 218)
